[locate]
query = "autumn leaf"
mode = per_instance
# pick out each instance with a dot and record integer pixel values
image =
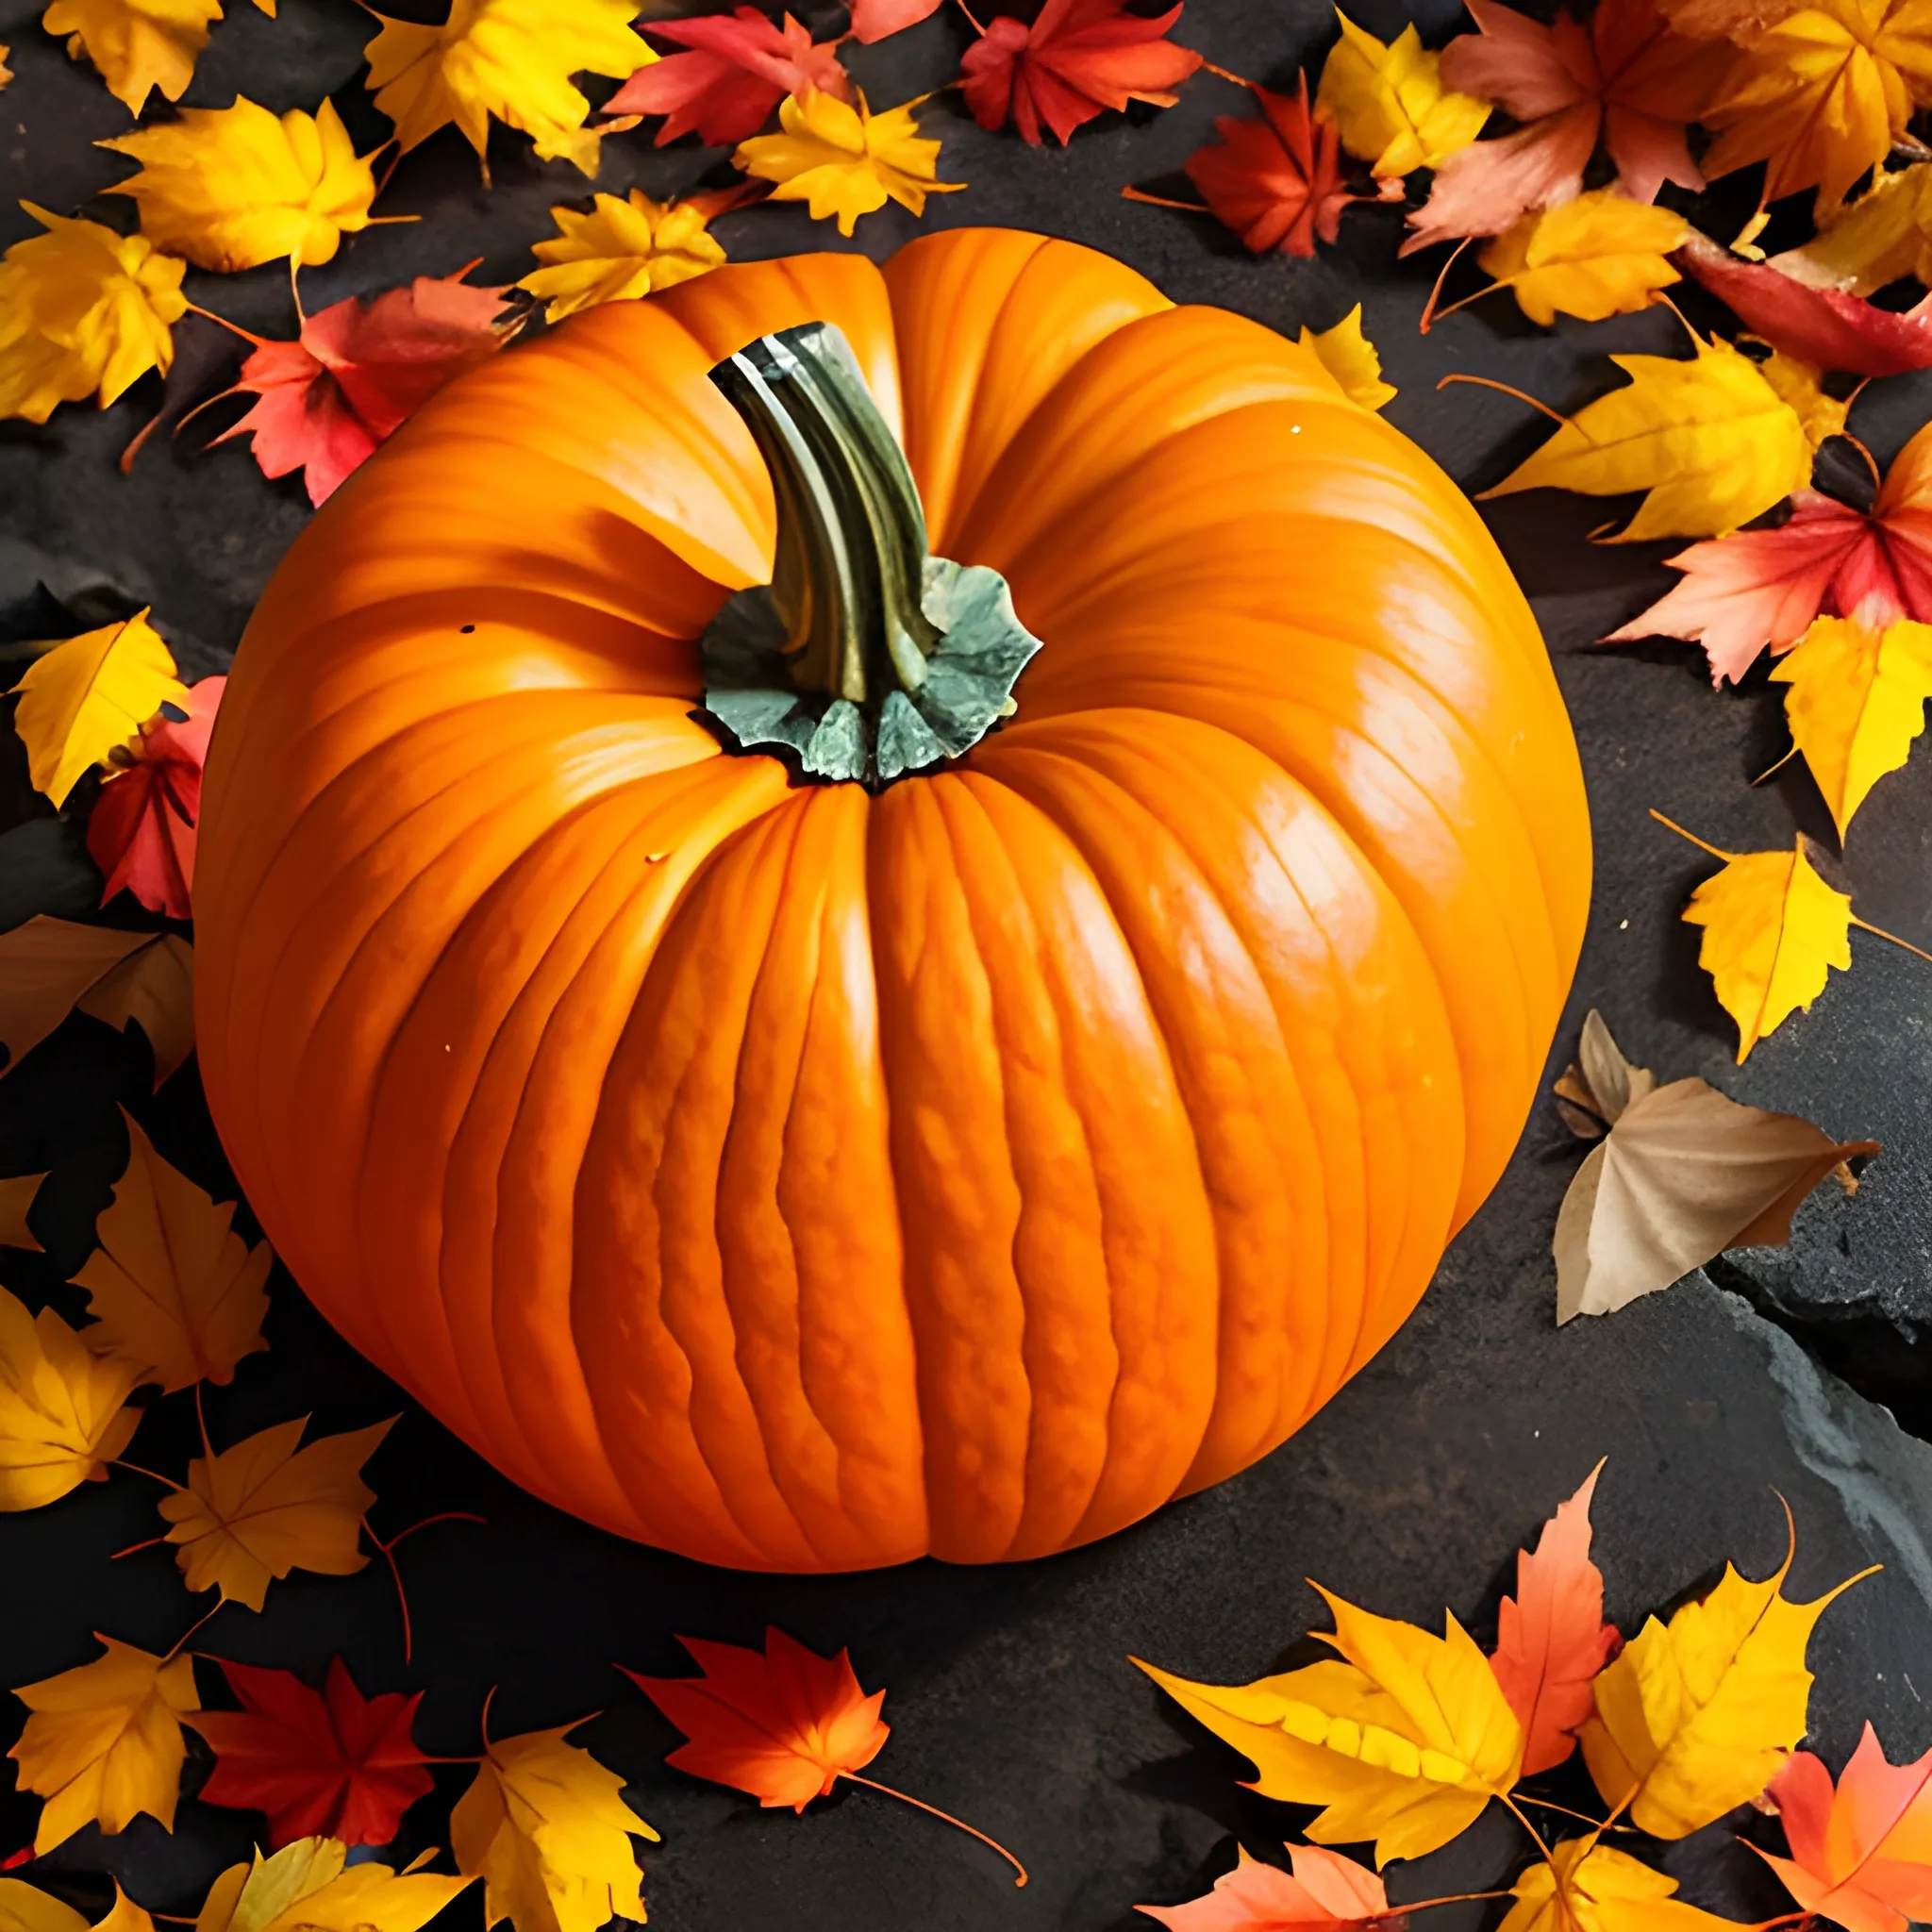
(102, 1742)
(1275, 180)
(357, 372)
(310, 1887)
(152, 988)
(1389, 104)
(6, 72)
(1326, 1890)
(1598, 256)
(264, 1508)
(1695, 1716)
(25, 1909)
(1710, 439)
(1802, 385)
(845, 161)
(17, 1194)
(547, 1829)
(1076, 58)
(1591, 1887)
(620, 250)
(510, 58)
(137, 44)
(83, 311)
(1883, 237)
(735, 69)
(1861, 1855)
(62, 1414)
(81, 698)
(141, 832)
(176, 1292)
(231, 188)
(1405, 1739)
(1350, 357)
(330, 1763)
(877, 20)
(47, 967)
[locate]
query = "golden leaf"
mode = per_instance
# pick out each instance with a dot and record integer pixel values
(621, 249)
(1709, 439)
(547, 1829)
(26, 1908)
(1597, 255)
(264, 1508)
(1390, 104)
(50, 967)
(88, 694)
(1802, 385)
(1350, 357)
(102, 1742)
(137, 44)
(231, 188)
(152, 988)
(1695, 1716)
(82, 311)
(310, 1887)
(6, 72)
(17, 1192)
(844, 161)
(1602, 1890)
(62, 1413)
(1404, 1741)
(512, 59)
(174, 1291)
(1884, 236)
(1857, 702)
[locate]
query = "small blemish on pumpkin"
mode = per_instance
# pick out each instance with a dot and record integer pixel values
(468, 628)
(656, 857)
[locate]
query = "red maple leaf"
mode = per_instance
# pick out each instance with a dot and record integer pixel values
(738, 68)
(1626, 77)
(874, 20)
(142, 828)
(1275, 180)
(358, 370)
(1326, 1890)
(1078, 57)
(1764, 586)
(1551, 1637)
(322, 1764)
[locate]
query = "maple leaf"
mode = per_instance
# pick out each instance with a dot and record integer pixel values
(264, 1508)
(510, 58)
(845, 161)
(1275, 179)
(1597, 255)
(82, 311)
(737, 67)
(152, 988)
(1884, 236)
(137, 44)
(174, 1291)
(547, 1829)
(1390, 104)
(877, 20)
(6, 72)
(1350, 357)
(1861, 1855)
(231, 188)
(102, 1742)
(1710, 439)
(1405, 1739)
(357, 372)
(330, 1763)
(142, 833)
(1326, 1890)
(620, 250)
(1588, 1887)
(1802, 385)
(1738, 20)
(17, 1193)
(1076, 58)
(85, 695)
(310, 1887)
(1697, 1716)
(47, 967)
(25, 1909)
(62, 1414)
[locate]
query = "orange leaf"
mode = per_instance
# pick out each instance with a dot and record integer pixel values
(1326, 1890)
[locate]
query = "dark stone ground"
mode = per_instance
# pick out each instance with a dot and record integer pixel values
(1010, 1697)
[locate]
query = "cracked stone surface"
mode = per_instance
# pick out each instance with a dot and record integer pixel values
(1011, 1699)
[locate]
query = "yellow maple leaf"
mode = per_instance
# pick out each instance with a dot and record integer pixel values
(310, 1887)
(174, 1291)
(26, 1908)
(1884, 236)
(50, 967)
(17, 1192)
(620, 250)
(85, 696)
(152, 988)
(1405, 1739)
(1802, 385)
(137, 44)
(231, 188)
(547, 1829)
(1856, 701)
(6, 72)
(1711, 439)
(102, 1742)
(62, 1413)
(1390, 104)
(1350, 357)
(83, 311)
(264, 1508)
(1597, 255)
(1695, 1716)
(1600, 1890)
(845, 161)
(512, 58)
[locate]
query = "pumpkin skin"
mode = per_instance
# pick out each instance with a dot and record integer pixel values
(805, 1179)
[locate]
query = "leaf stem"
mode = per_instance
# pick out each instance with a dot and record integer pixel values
(971, 20)
(388, 1557)
(153, 1475)
(1581, 1817)
(1864, 926)
(220, 1604)
(135, 1549)
(1714, 851)
(1429, 315)
(919, 1804)
(1222, 72)
(233, 328)
(1485, 382)
(1423, 1905)
(1192, 208)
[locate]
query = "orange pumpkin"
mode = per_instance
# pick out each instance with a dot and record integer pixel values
(808, 1175)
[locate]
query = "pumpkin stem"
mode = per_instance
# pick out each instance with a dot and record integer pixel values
(865, 657)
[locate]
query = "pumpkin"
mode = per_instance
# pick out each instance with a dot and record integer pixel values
(964, 1151)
